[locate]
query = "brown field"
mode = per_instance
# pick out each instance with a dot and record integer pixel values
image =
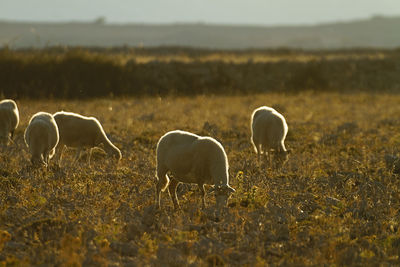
(334, 202)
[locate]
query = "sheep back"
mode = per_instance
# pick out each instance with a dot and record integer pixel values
(81, 131)
(77, 130)
(268, 128)
(41, 135)
(192, 158)
(9, 117)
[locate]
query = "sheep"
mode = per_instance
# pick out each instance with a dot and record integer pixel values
(82, 132)
(190, 158)
(268, 133)
(9, 120)
(41, 137)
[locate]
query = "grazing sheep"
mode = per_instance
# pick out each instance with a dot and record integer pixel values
(82, 132)
(190, 158)
(268, 133)
(9, 119)
(41, 137)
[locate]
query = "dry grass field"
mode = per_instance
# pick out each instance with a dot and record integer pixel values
(335, 202)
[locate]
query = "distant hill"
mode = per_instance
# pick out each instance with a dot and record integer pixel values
(376, 32)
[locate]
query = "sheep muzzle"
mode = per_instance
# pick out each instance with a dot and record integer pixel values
(222, 194)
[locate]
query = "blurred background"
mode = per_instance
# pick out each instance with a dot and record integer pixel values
(221, 24)
(85, 49)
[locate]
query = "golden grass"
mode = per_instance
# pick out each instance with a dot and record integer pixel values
(334, 202)
(244, 58)
(145, 56)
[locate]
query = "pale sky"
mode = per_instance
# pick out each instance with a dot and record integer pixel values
(256, 12)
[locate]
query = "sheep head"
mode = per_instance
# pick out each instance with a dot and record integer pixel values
(113, 152)
(38, 161)
(282, 156)
(222, 194)
(116, 154)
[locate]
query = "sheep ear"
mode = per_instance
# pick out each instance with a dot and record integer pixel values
(230, 189)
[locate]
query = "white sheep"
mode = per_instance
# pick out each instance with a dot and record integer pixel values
(41, 137)
(190, 158)
(9, 120)
(82, 132)
(268, 133)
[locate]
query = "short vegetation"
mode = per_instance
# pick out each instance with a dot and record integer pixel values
(77, 73)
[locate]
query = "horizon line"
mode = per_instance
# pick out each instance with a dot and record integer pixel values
(102, 20)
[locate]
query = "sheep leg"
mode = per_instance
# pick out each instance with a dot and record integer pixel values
(267, 155)
(281, 160)
(89, 156)
(12, 135)
(162, 183)
(60, 153)
(258, 148)
(172, 189)
(46, 157)
(10, 140)
(276, 160)
(270, 158)
(203, 195)
(77, 155)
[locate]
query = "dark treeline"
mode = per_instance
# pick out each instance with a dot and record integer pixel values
(82, 74)
(201, 52)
